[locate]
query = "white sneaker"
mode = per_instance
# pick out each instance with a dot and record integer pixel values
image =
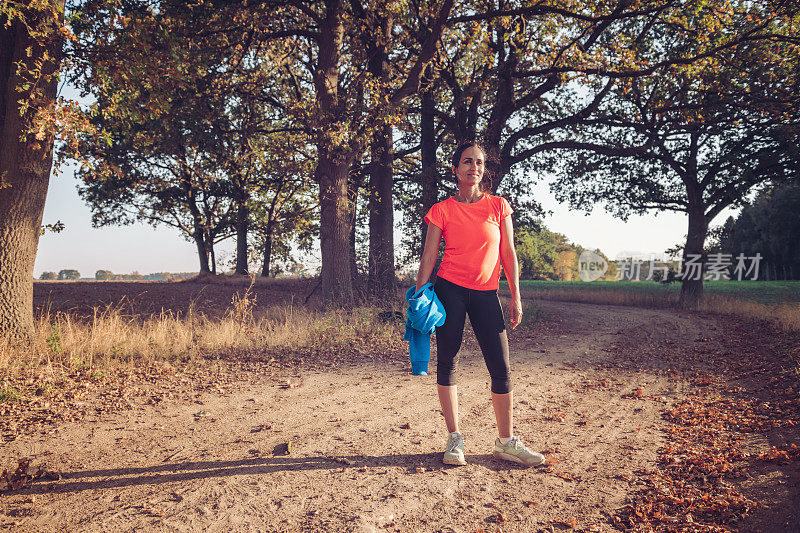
(454, 451)
(515, 451)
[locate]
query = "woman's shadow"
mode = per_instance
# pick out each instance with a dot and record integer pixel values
(170, 472)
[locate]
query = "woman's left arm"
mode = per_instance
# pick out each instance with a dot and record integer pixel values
(508, 257)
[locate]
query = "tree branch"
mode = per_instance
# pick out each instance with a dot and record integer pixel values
(411, 85)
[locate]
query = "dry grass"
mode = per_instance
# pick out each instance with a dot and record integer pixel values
(114, 337)
(786, 314)
(611, 297)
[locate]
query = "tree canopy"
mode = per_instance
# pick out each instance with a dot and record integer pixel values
(274, 121)
(693, 138)
(769, 227)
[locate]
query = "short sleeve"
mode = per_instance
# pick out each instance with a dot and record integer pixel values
(435, 216)
(505, 209)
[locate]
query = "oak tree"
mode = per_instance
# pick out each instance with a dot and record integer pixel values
(31, 46)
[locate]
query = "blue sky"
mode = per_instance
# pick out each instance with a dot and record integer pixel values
(123, 249)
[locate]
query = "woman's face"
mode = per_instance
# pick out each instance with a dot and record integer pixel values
(470, 167)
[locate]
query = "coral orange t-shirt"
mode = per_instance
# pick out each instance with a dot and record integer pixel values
(471, 240)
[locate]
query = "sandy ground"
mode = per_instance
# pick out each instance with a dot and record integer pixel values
(366, 443)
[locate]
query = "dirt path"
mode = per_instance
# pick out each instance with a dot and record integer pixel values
(366, 443)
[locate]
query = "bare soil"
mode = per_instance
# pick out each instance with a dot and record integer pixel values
(592, 385)
(212, 298)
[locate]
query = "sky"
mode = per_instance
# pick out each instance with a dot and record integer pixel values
(142, 248)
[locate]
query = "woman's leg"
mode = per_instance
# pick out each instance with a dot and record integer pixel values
(448, 399)
(504, 413)
(448, 342)
(486, 317)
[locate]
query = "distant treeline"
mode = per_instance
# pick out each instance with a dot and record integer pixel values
(107, 275)
(770, 227)
(546, 255)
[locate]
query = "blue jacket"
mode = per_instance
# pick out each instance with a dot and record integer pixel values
(425, 314)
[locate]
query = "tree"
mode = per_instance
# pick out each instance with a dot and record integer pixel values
(48, 276)
(264, 160)
(508, 75)
(544, 254)
(396, 67)
(321, 75)
(103, 275)
(693, 139)
(537, 252)
(160, 79)
(31, 41)
(525, 99)
(770, 226)
(283, 205)
(68, 274)
(338, 146)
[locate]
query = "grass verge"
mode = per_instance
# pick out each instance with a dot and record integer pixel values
(778, 303)
(75, 365)
(112, 337)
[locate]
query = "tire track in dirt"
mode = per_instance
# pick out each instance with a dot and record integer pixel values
(366, 443)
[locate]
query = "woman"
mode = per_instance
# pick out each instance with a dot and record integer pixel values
(478, 237)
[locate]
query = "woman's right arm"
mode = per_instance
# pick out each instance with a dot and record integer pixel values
(429, 255)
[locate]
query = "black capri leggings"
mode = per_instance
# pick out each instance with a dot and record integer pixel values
(486, 317)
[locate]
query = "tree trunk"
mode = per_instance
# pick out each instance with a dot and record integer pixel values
(337, 285)
(333, 165)
(381, 217)
(691, 288)
(213, 256)
(199, 232)
(202, 254)
(430, 175)
(270, 229)
(267, 250)
(354, 183)
(24, 167)
(242, 226)
(382, 279)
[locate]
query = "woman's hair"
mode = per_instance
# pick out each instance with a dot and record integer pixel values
(486, 182)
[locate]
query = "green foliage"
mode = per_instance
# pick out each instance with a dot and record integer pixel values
(103, 275)
(770, 226)
(546, 255)
(68, 274)
(11, 394)
(207, 110)
(54, 340)
(537, 252)
(190, 128)
(48, 276)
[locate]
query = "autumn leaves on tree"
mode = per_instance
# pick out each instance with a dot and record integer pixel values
(31, 41)
(280, 122)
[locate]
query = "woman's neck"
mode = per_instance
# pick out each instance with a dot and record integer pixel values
(468, 194)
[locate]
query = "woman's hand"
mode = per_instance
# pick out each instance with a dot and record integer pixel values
(515, 312)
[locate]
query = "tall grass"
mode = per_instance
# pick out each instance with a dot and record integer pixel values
(779, 304)
(111, 337)
(786, 315)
